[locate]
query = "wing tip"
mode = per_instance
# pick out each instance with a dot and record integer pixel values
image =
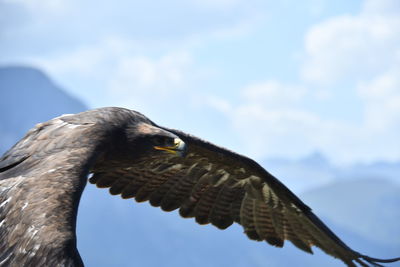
(275, 241)
(363, 259)
(222, 222)
(375, 260)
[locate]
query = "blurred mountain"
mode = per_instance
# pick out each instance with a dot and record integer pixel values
(315, 170)
(126, 233)
(111, 232)
(380, 169)
(371, 203)
(28, 96)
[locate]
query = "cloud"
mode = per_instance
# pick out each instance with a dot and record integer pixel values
(346, 57)
(281, 132)
(273, 93)
(140, 74)
(381, 97)
(270, 114)
(41, 6)
(82, 60)
(177, 59)
(383, 7)
(50, 26)
(353, 46)
(217, 4)
(284, 126)
(124, 63)
(118, 69)
(362, 52)
(124, 48)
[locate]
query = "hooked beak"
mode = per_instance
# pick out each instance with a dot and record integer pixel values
(179, 148)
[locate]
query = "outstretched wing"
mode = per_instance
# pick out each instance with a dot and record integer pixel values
(217, 186)
(41, 181)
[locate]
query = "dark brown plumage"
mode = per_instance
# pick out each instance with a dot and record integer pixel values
(43, 175)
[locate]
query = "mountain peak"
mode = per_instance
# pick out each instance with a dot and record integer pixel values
(28, 96)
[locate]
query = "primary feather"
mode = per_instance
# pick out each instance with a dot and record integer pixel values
(43, 175)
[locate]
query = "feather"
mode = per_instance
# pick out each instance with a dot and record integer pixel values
(264, 224)
(43, 175)
(247, 218)
(204, 205)
(220, 214)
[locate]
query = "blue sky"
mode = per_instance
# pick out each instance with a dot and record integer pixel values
(265, 78)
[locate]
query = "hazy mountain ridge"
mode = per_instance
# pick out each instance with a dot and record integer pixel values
(148, 236)
(25, 95)
(362, 198)
(369, 202)
(113, 232)
(315, 170)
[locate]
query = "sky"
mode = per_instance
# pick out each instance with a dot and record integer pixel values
(264, 78)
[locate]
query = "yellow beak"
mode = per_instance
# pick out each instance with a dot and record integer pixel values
(178, 148)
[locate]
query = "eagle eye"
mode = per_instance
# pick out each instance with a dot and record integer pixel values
(162, 140)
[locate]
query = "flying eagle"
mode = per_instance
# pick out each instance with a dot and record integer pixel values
(42, 178)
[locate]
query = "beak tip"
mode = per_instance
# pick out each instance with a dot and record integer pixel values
(181, 147)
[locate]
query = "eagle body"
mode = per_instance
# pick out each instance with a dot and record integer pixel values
(43, 176)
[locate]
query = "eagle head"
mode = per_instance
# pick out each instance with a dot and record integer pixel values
(150, 138)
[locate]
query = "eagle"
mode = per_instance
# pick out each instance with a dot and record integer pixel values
(43, 176)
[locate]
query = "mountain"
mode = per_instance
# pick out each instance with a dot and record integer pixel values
(299, 175)
(115, 232)
(127, 233)
(369, 202)
(27, 97)
(315, 171)
(380, 169)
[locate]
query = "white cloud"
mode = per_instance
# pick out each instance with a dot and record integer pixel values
(269, 113)
(47, 6)
(82, 68)
(118, 69)
(274, 93)
(288, 128)
(382, 101)
(281, 132)
(139, 74)
(382, 7)
(152, 64)
(217, 4)
(360, 51)
(352, 47)
(82, 60)
(54, 25)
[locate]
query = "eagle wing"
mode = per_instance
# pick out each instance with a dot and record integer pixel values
(41, 181)
(217, 186)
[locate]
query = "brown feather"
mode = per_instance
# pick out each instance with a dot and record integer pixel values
(104, 180)
(298, 229)
(236, 204)
(264, 225)
(188, 206)
(221, 215)
(154, 181)
(177, 194)
(204, 205)
(137, 181)
(158, 195)
(208, 182)
(247, 218)
(118, 185)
